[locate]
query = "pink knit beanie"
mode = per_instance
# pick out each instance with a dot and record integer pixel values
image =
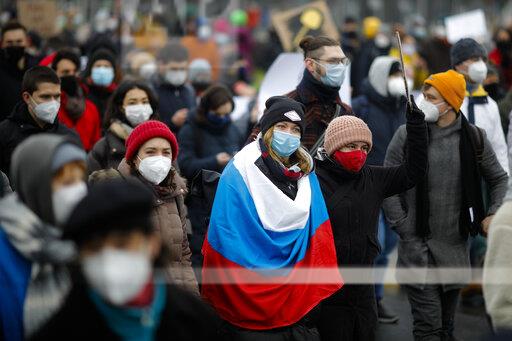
(344, 130)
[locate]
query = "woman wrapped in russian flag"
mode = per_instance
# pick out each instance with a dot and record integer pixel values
(269, 256)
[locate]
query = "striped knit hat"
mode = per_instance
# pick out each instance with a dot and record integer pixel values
(344, 130)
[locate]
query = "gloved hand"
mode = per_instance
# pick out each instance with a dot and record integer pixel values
(413, 113)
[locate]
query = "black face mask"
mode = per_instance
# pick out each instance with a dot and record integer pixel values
(69, 84)
(495, 91)
(350, 34)
(504, 46)
(13, 54)
(200, 86)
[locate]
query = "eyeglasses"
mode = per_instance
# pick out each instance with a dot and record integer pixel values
(334, 61)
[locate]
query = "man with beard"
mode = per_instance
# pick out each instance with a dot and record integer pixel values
(13, 64)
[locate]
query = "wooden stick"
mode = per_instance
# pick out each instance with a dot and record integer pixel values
(403, 68)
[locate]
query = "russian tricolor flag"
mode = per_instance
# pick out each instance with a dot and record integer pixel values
(260, 245)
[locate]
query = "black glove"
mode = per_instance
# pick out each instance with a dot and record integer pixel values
(413, 113)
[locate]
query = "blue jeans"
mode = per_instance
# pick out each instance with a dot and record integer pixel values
(387, 240)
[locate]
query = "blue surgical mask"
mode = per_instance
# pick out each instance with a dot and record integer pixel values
(285, 144)
(217, 120)
(102, 76)
(334, 74)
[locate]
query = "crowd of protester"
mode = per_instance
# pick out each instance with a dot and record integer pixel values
(134, 206)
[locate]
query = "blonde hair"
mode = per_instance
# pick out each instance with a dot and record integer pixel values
(299, 156)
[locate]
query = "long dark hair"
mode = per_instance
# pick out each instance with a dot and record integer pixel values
(213, 97)
(115, 103)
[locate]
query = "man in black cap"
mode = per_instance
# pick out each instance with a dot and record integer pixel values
(115, 294)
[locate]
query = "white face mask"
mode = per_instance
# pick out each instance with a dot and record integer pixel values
(155, 168)
(477, 71)
(65, 199)
(396, 86)
(430, 110)
(138, 113)
(176, 78)
(117, 275)
(46, 111)
(147, 70)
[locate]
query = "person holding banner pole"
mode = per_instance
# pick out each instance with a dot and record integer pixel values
(354, 192)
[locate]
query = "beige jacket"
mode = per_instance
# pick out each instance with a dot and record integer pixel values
(170, 219)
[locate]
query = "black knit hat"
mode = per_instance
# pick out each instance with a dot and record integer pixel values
(117, 205)
(98, 55)
(465, 49)
(279, 109)
(395, 67)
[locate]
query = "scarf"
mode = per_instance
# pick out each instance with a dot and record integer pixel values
(476, 95)
(133, 323)
(278, 169)
(41, 245)
(472, 209)
(324, 93)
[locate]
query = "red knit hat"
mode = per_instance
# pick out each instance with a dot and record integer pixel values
(146, 131)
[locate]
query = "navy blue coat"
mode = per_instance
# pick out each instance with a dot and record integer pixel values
(383, 115)
(200, 142)
(172, 99)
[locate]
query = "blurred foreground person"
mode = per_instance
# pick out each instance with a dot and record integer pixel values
(497, 270)
(48, 174)
(116, 294)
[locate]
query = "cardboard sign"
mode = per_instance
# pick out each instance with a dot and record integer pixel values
(39, 16)
(466, 25)
(284, 75)
(311, 19)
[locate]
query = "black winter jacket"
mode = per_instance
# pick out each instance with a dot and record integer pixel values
(172, 99)
(354, 199)
(185, 317)
(110, 149)
(200, 142)
(19, 126)
(10, 83)
(100, 95)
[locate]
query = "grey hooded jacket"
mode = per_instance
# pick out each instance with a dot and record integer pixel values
(27, 219)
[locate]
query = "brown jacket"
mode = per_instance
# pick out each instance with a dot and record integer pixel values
(170, 219)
